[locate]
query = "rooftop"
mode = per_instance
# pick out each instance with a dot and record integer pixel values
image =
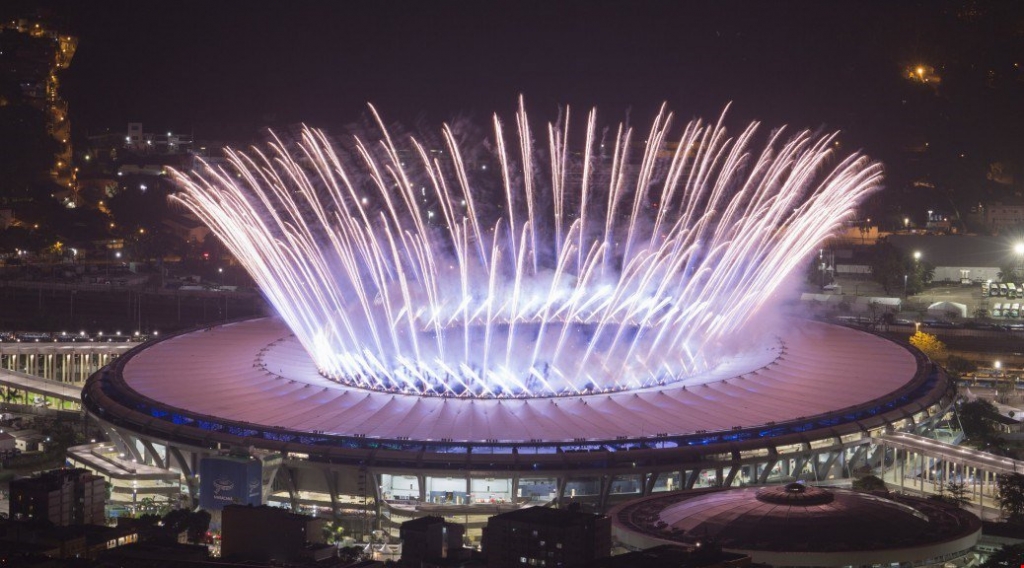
(958, 250)
(797, 519)
(547, 516)
(256, 372)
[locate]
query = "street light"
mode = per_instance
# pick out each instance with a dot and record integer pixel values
(917, 255)
(1019, 249)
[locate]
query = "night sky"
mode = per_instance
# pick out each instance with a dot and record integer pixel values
(224, 69)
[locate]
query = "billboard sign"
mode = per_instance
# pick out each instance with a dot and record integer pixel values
(229, 481)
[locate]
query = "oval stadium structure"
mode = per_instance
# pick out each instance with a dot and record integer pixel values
(804, 407)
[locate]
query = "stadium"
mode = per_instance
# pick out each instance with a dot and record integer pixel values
(464, 328)
(806, 409)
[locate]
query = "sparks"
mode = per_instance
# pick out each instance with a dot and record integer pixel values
(597, 273)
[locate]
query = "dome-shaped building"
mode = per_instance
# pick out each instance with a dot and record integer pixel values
(798, 525)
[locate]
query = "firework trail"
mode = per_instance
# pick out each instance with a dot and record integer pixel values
(559, 268)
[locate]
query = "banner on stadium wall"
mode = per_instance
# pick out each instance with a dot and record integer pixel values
(229, 481)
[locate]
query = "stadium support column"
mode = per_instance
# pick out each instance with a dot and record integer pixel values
(773, 458)
(606, 488)
(691, 479)
(290, 486)
(186, 471)
(514, 490)
(562, 482)
(649, 481)
(826, 466)
(154, 456)
(903, 464)
(421, 485)
(734, 468)
(859, 455)
(332, 490)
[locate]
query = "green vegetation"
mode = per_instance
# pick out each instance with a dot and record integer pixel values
(869, 483)
(1009, 557)
(953, 492)
(958, 366)
(976, 419)
(1011, 495)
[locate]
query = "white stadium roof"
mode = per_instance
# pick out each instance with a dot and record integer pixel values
(256, 372)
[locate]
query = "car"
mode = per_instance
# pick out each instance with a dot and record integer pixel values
(831, 287)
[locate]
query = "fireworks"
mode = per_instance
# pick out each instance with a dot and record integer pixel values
(586, 265)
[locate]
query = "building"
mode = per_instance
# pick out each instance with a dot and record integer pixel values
(61, 496)
(261, 534)
(961, 258)
(187, 228)
(540, 536)
(801, 525)
(1002, 216)
(77, 541)
(430, 538)
(250, 387)
(704, 555)
(131, 483)
(28, 440)
(138, 141)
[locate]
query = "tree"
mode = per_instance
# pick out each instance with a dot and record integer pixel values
(333, 532)
(888, 265)
(1011, 495)
(959, 366)
(898, 272)
(1009, 273)
(956, 493)
(1010, 556)
(198, 524)
(869, 483)
(976, 419)
(929, 345)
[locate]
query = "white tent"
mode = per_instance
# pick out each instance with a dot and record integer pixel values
(943, 309)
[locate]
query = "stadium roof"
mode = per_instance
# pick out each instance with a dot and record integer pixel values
(256, 372)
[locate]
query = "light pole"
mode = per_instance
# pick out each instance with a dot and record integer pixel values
(1019, 249)
(917, 271)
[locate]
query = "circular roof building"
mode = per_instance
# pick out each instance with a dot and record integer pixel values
(800, 525)
(758, 419)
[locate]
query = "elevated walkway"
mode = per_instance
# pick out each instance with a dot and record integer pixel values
(950, 453)
(923, 465)
(53, 372)
(46, 388)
